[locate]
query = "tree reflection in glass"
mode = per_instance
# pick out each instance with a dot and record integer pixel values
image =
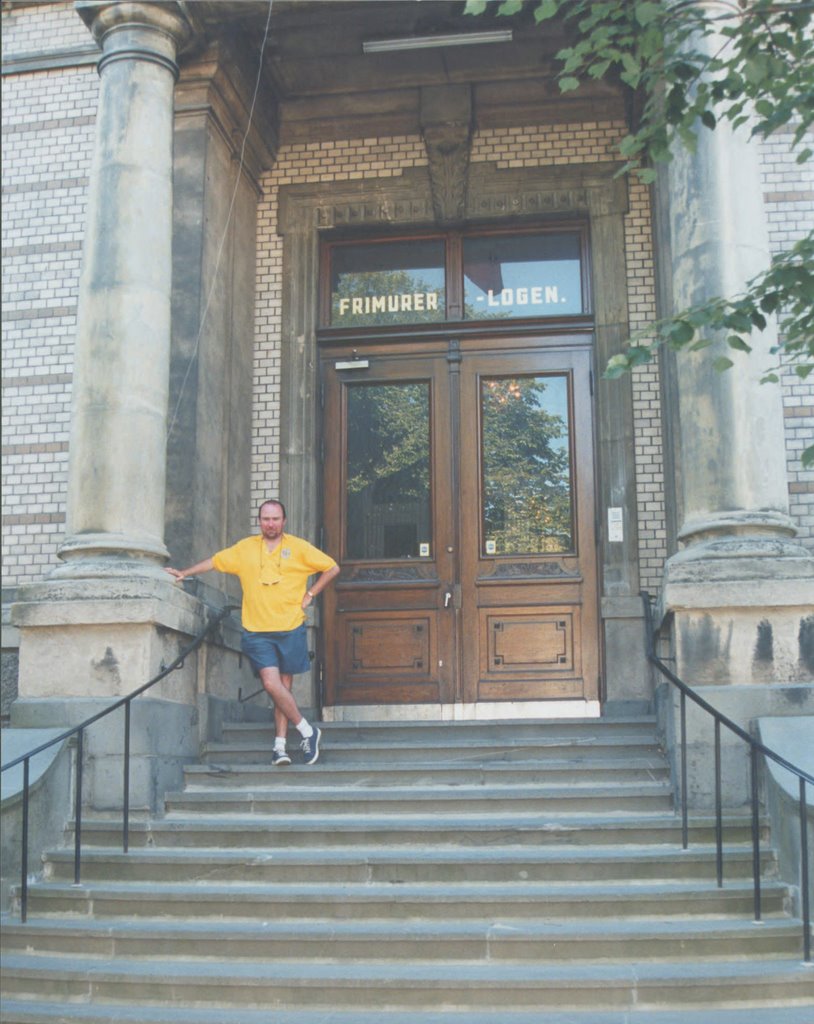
(388, 470)
(526, 486)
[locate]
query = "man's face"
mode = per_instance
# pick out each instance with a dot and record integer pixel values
(272, 521)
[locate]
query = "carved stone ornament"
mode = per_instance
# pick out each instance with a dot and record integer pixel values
(448, 147)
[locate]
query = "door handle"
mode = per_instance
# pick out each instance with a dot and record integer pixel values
(447, 598)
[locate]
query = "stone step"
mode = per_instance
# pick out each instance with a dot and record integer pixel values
(37, 1012)
(573, 771)
(516, 900)
(278, 831)
(412, 985)
(368, 864)
(474, 735)
(462, 799)
(436, 942)
(516, 874)
(457, 749)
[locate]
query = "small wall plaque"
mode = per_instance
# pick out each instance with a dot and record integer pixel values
(616, 529)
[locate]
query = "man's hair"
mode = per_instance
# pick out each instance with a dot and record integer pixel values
(271, 501)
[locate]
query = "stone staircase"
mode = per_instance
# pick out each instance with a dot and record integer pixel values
(422, 873)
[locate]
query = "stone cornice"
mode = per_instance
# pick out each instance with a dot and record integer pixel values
(211, 87)
(73, 57)
(493, 193)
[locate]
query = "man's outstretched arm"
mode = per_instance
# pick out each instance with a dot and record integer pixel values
(193, 570)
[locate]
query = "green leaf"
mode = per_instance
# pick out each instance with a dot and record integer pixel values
(721, 364)
(617, 366)
(681, 333)
(546, 9)
(808, 457)
(598, 70)
(708, 119)
(569, 83)
(475, 6)
(647, 11)
(756, 70)
(738, 343)
(638, 355)
(510, 7)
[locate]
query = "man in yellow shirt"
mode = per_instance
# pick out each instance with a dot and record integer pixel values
(274, 568)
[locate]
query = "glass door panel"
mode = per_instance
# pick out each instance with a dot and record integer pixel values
(528, 552)
(526, 465)
(388, 629)
(387, 487)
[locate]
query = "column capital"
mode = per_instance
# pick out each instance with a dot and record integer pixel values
(132, 30)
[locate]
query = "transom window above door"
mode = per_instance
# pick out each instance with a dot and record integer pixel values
(477, 276)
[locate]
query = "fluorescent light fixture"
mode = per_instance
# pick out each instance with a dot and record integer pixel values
(429, 42)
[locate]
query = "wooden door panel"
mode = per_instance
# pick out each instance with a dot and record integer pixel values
(519, 642)
(469, 614)
(388, 655)
(533, 613)
(388, 636)
(518, 647)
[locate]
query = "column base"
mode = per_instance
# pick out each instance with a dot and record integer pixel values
(106, 555)
(741, 609)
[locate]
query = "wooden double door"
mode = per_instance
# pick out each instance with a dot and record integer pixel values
(459, 499)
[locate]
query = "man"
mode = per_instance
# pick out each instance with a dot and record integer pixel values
(274, 568)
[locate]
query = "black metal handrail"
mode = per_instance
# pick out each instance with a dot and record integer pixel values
(79, 731)
(755, 748)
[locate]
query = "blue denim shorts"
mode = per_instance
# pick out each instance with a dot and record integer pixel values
(288, 650)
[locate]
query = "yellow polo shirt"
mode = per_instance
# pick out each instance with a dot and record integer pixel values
(273, 583)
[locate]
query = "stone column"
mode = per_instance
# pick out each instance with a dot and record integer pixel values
(115, 509)
(108, 619)
(740, 588)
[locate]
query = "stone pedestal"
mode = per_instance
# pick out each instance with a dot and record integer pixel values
(87, 643)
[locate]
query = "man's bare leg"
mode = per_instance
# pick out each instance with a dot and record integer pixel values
(280, 720)
(284, 703)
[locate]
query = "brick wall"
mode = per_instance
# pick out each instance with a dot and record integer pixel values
(48, 120)
(788, 192)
